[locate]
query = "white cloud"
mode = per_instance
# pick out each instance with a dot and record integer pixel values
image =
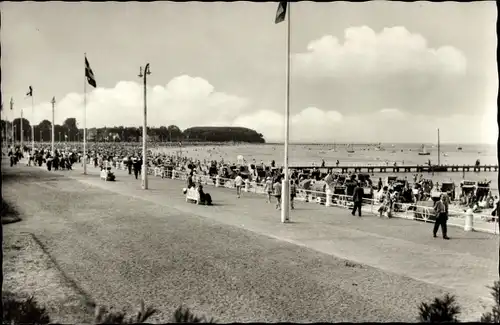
(385, 87)
(387, 125)
(364, 53)
(185, 101)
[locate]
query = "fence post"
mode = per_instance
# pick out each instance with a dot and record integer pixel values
(217, 181)
(469, 220)
(328, 202)
(173, 173)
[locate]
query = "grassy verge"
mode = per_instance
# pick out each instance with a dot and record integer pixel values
(29, 272)
(34, 291)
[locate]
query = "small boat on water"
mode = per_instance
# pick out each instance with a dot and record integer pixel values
(350, 149)
(424, 152)
(459, 148)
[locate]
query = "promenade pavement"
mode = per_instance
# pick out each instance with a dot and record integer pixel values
(464, 265)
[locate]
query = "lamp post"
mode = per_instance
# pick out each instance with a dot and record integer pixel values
(53, 127)
(41, 139)
(59, 136)
(144, 128)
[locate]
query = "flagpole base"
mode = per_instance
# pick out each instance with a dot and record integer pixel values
(285, 201)
(144, 183)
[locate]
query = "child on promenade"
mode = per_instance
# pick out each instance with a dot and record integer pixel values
(277, 193)
(268, 188)
(238, 183)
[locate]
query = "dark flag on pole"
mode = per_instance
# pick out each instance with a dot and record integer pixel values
(89, 74)
(281, 12)
(30, 92)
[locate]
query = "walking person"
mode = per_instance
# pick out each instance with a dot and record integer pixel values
(441, 218)
(238, 183)
(55, 162)
(293, 192)
(49, 163)
(357, 198)
(136, 169)
(385, 200)
(268, 188)
(190, 181)
(28, 154)
(129, 165)
(277, 193)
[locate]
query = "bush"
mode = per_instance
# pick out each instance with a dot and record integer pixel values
(184, 315)
(443, 310)
(22, 311)
(8, 213)
(105, 316)
(494, 315)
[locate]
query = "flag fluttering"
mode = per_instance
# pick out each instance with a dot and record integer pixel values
(30, 92)
(89, 74)
(281, 12)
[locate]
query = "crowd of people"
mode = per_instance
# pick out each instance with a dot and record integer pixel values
(390, 195)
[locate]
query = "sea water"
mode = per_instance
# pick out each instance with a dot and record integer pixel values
(400, 153)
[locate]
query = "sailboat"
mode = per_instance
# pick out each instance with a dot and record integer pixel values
(334, 147)
(438, 167)
(424, 152)
(350, 149)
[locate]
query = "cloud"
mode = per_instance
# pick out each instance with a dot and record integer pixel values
(387, 125)
(185, 101)
(393, 68)
(393, 52)
(389, 86)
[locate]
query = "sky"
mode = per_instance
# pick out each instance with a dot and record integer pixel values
(359, 72)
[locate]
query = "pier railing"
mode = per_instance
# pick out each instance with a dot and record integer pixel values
(457, 217)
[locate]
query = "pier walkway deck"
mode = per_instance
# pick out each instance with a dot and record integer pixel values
(405, 168)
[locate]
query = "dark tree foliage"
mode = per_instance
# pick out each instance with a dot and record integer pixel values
(70, 131)
(222, 134)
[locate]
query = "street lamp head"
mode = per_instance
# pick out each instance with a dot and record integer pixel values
(140, 72)
(53, 100)
(146, 70)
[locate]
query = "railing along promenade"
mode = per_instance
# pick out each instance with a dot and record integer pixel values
(457, 217)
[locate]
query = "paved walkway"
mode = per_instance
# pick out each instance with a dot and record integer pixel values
(467, 264)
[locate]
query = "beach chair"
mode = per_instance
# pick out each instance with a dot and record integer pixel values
(104, 175)
(192, 194)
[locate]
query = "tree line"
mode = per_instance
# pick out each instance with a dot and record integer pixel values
(70, 131)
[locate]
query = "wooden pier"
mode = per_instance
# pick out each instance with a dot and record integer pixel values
(405, 169)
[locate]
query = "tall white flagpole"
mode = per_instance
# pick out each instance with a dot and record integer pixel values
(285, 202)
(145, 130)
(32, 123)
(21, 130)
(85, 122)
(53, 126)
(13, 135)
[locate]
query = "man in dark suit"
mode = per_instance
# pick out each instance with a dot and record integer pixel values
(357, 198)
